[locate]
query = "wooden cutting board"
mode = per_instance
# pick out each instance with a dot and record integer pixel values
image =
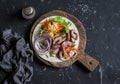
(89, 62)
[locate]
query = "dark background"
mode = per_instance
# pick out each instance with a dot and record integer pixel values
(101, 19)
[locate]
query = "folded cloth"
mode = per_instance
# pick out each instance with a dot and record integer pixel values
(15, 59)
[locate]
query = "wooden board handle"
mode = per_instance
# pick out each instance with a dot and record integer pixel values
(89, 62)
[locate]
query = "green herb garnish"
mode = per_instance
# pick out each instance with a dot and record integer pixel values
(51, 53)
(62, 21)
(67, 29)
(46, 56)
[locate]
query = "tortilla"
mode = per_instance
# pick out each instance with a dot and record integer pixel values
(36, 33)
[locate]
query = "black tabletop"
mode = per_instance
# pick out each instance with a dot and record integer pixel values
(101, 19)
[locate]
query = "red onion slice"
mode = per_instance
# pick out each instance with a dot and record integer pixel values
(43, 39)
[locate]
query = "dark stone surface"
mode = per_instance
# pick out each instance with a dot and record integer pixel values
(101, 19)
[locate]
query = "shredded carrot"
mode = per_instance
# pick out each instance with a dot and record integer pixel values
(71, 48)
(66, 55)
(48, 26)
(60, 27)
(66, 51)
(73, 58)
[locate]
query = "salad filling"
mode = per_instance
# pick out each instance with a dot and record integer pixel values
(56, 39)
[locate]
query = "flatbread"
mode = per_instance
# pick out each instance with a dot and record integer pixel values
(36, 33)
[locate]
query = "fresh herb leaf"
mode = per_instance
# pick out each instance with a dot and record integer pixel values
(62, 21)
(69, 24)
(46, 56)
(51, 53)
(67, 29)
(57, 19)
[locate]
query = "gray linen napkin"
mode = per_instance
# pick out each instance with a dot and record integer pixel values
(15, 59)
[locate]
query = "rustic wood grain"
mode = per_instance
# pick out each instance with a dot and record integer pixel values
(89, 62)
